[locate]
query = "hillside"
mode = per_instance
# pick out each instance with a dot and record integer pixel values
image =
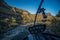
(14, 16)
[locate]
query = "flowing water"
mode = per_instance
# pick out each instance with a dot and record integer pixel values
(21, 32)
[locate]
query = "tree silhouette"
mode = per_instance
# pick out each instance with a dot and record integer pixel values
(58, 14)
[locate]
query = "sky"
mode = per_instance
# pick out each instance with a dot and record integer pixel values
(51, 6)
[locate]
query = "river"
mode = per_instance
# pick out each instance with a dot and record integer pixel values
(21, 32)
